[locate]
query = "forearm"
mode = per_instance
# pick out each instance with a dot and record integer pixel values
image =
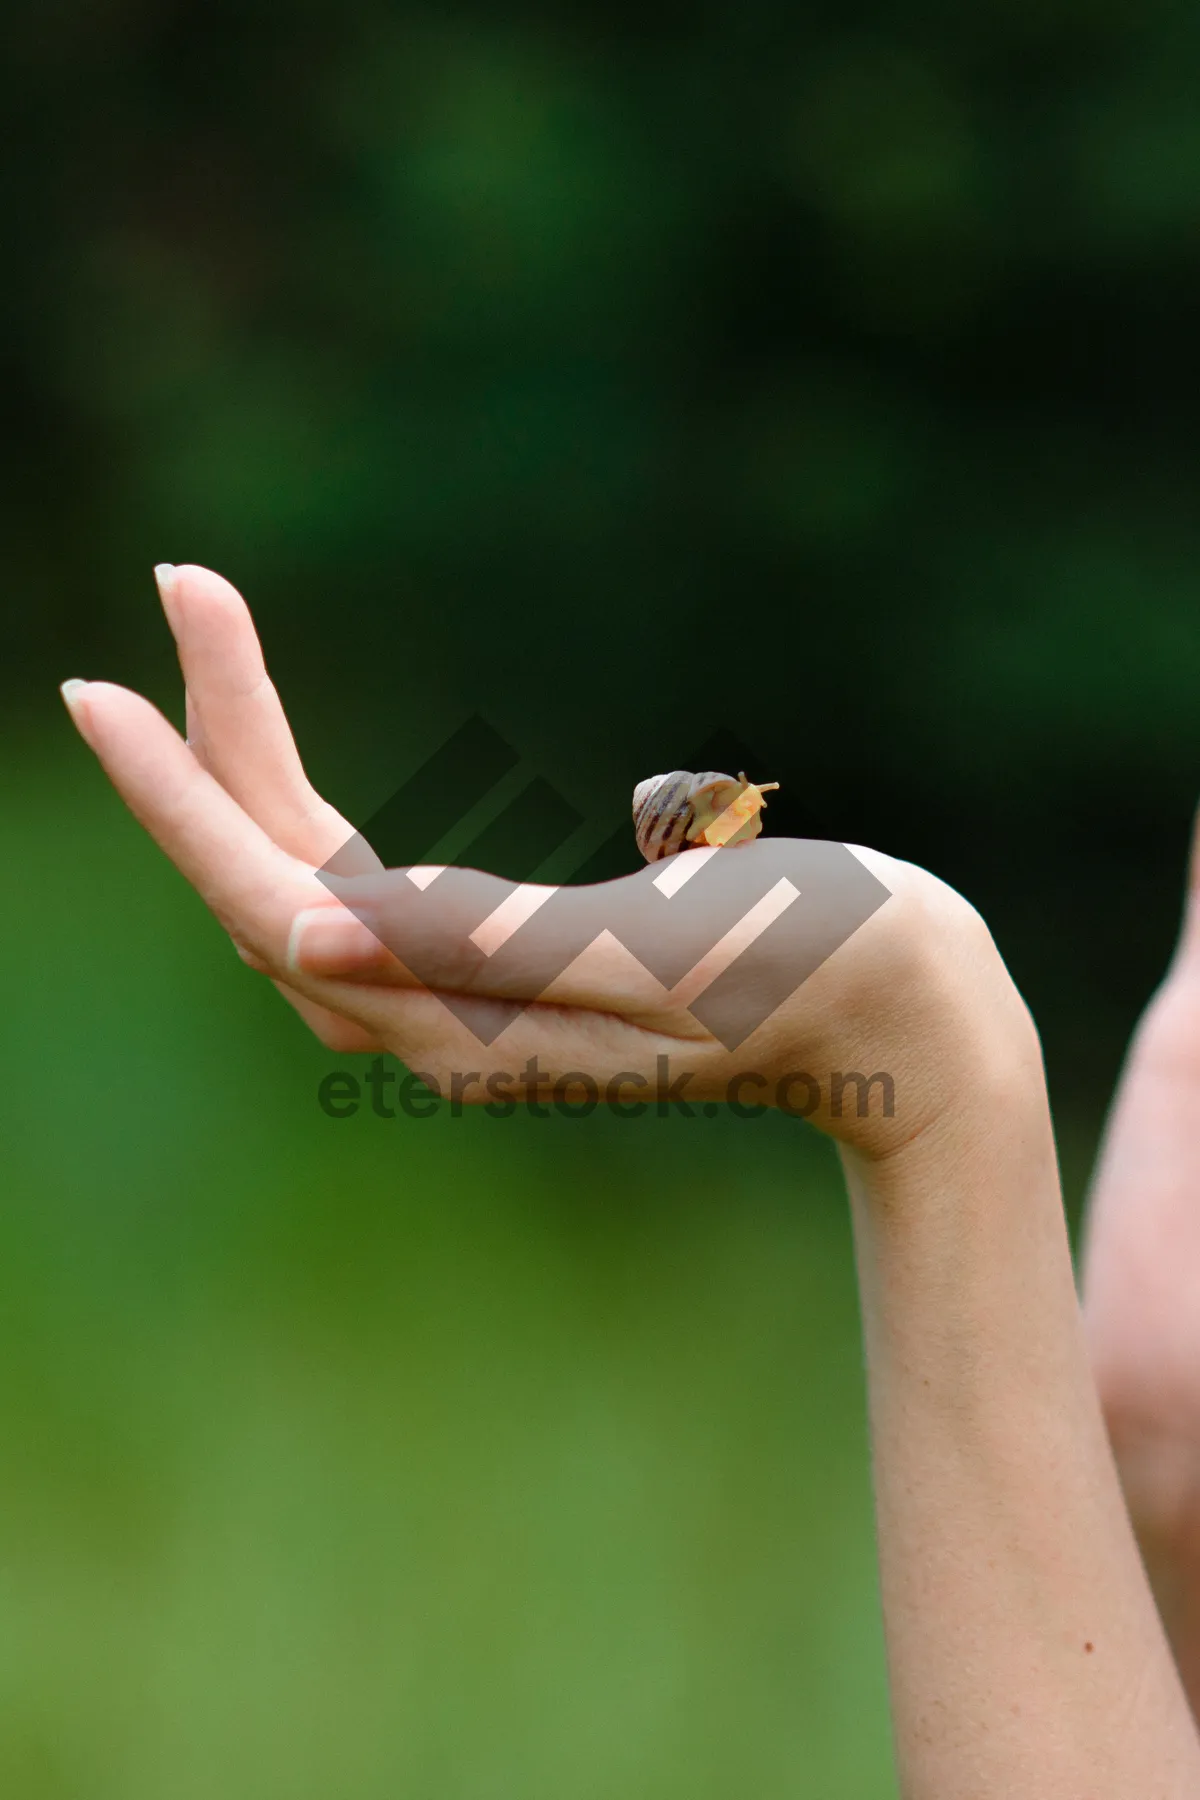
(1025, 1651)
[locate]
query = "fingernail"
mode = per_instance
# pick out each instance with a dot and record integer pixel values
(164, 575)
(72, 692)
(324, 937)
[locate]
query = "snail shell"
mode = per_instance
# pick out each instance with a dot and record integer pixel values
(672, 812)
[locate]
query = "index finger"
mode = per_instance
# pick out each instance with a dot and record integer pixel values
(252, 886)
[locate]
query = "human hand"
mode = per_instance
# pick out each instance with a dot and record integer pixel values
(917, 993)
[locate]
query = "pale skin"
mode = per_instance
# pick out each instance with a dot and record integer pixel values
(1141, 1283)
(1026, 1653)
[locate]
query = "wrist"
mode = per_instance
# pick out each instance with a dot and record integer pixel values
(960, 1040)
(965, 1273)
(982, 1160)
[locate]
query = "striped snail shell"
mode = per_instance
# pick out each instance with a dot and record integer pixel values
(676, 811)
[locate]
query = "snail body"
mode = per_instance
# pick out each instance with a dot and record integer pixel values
(681, 811)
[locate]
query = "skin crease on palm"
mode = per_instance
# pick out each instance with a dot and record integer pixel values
(1018, 1619)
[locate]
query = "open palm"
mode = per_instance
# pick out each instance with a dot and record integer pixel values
(369, 963)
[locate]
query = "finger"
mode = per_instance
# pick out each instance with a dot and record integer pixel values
(458, 935)
(645, 945)
(237, 729)
(251, 884)
(236, 722)
(538, 1046)
(335, 1031)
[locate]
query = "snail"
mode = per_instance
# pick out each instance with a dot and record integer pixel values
(680, 810)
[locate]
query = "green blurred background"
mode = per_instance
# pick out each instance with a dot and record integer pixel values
(822, 376)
